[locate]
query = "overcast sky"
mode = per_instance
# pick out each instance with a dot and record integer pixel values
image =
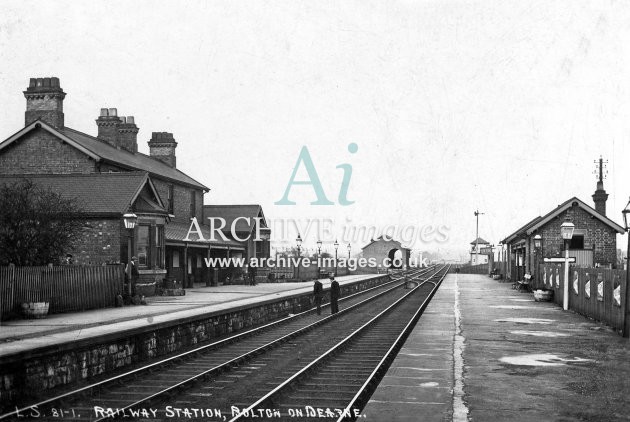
(500, 106)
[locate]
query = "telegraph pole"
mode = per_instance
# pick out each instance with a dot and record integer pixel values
(477, 214)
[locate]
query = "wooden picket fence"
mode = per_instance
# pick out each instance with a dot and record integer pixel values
(470, 269)
(597, 293)
(67, 288)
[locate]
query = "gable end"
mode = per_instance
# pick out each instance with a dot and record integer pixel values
(39, 151)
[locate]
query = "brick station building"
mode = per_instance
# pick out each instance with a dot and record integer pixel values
(110, 177)
(594, 242)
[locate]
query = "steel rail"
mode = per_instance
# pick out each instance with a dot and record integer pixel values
(173, 359)
(245, 412)
(244, 356)
(347, 414)
(199, 350)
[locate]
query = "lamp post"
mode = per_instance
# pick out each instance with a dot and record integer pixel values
(501, 257)
(566, 229)
(349, 249)
(626, 319)
(477, 214)
(130, 220)
(319, 254)
(491, 260)
(298, 241)
(336, 245)
(537, 246)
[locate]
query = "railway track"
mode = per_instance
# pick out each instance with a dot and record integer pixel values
(337, 384)
(159, 382)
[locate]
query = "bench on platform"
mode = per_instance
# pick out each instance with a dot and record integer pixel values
(523, 285)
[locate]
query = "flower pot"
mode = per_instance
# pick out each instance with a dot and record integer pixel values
(543, 295)
(35, 310)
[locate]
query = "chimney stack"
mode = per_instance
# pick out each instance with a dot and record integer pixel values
(108, 123)
(600, 196)
(162, 148)
(119, 132)
(44, 101)
(128, 134)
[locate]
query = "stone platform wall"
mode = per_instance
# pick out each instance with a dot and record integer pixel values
(51, 367)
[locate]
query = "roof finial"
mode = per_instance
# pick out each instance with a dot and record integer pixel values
(600, 169)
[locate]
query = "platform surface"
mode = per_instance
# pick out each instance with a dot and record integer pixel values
(484, 352)
(22, 335)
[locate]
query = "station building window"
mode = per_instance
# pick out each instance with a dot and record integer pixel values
(150, 246)
(171, 199)
(193, 203)
(143, 245)
(159, 246)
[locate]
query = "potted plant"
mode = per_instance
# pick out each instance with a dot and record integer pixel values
(543, 295)
(39, 303)
(35, 310)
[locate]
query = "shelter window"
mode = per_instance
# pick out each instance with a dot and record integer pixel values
(577, 242)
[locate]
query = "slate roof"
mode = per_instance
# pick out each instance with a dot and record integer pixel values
(97, 193)
(538, 222)
(231, 212)
(380, 238)
(101, 151)
(479, 241)
(568, 204)
(521, 230)
(176, 232)
(136, 161)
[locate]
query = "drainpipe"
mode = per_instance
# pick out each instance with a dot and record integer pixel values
(185, 264)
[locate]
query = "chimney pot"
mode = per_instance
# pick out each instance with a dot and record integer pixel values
(113, 112)
(123, 119)
(104, 112)
(130, 120)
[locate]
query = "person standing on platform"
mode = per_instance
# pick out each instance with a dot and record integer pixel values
(252, 275)
(318, 293)
(335, 292)
(134, 273)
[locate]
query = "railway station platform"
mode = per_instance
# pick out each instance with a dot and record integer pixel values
(23, 335)
(484, 352)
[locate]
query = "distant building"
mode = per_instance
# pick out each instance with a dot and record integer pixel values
(382, 249)
(594, 240)
(479, 251)
(110, 177)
